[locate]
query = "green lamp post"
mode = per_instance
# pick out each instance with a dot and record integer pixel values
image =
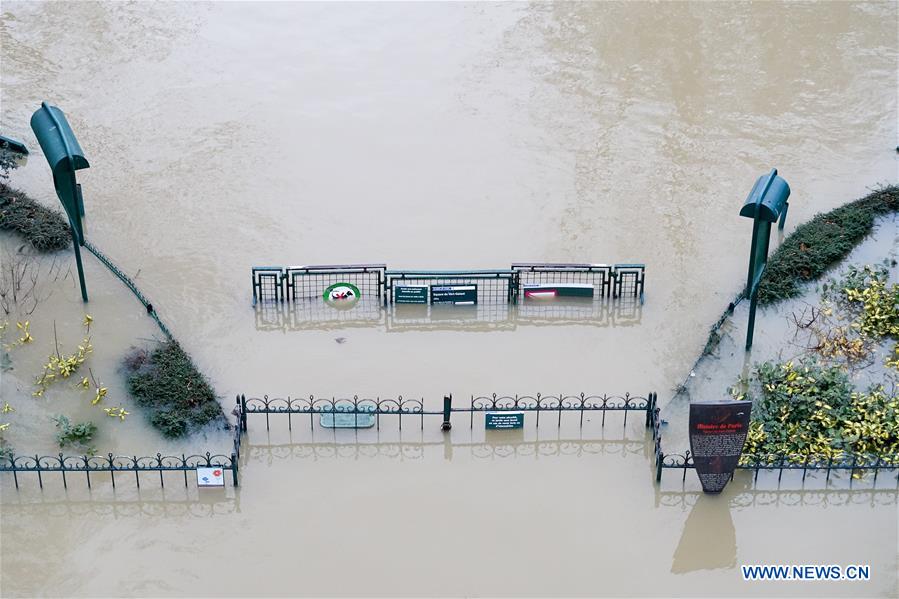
(65, 156)
(767, 203)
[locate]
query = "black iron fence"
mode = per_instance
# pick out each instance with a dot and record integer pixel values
(414, 408)
(115, 464)
(296, 283)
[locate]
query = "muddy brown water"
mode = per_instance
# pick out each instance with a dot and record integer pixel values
(227, 135)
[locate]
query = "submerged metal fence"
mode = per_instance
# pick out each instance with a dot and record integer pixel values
(295, 283)
(113, 464)
(415, 407)
(310, 282)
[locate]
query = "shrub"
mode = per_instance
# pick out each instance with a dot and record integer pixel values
(166, 383)
(77, 435)
(46, 230)
(808, 409)
(820, 243)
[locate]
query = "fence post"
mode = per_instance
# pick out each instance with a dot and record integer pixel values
(234, 468)
(447, 410)
(243, 413)
(659, 459)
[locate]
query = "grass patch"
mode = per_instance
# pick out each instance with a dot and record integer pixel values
(46, 229)
(826, 239)
(176, 396)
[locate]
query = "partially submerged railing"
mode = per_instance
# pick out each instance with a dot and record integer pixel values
(415, 407)
(116, 464)
(295, 283)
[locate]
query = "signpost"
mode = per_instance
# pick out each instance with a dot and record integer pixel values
(767, 203)
(210, 477)
(341, 295)
(459, 295)
(503, 420)
(718, 430)
(410, 294)
(65, 156)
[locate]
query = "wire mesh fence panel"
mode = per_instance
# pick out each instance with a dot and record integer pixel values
(629, 280)
(311, 282)
(469, 287)
(268, 284)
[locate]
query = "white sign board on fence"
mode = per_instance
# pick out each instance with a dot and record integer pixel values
(210, 477)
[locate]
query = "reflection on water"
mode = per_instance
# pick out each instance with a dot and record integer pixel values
(708, 540)
(415, 450)
(485, 317)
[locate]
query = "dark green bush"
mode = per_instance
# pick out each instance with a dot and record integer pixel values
(820, 243)
(809, 408)
(78, 436)
(177, 397)
(47, 230)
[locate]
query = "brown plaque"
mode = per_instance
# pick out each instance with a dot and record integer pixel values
(717, 432)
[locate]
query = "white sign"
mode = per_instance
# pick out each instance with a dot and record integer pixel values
(210, 477)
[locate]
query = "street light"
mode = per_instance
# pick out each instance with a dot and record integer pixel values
(64, 155)
(767, 203)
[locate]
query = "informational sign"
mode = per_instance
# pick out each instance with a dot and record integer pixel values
(718, 430)
(504, 420)
(341, 295)
(550, 291)
(459, 295)
(210, 477)
(410, 294)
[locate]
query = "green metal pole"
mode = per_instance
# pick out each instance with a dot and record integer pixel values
(751, 329)
(76, 244)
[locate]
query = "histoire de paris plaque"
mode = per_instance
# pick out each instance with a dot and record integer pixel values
(718, 430)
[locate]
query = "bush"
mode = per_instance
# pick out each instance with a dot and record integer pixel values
(177, 397)
(820, 243)
(75, 435)
(806, 409)
(46, 230)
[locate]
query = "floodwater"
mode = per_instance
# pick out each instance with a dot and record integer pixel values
(227, 135)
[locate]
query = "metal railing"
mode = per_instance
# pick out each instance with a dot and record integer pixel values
(278, 283)
(415, 407)
(115, 464)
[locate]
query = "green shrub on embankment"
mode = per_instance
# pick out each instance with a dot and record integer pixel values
(46, 229)
(825, 240)
(810, 408)
(176, 396)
